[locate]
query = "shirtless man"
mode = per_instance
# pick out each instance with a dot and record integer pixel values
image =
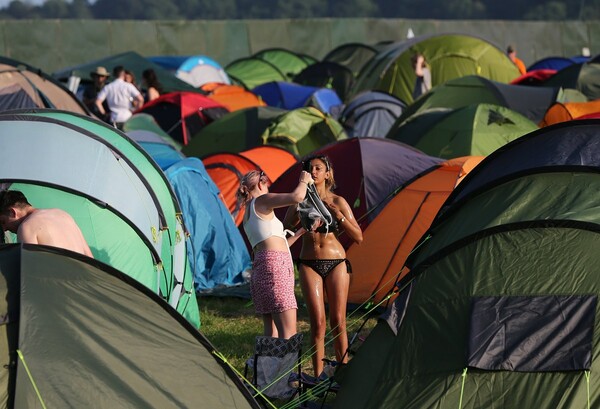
(50, 227)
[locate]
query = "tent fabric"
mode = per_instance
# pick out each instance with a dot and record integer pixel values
(174, 279)
(367, 172)
(558, 329)
(285, 95)
(561, 112)
(534, 77)
(354, 56)
(477, 129)
(371, 114)
(303, 130)
(286, 61)
(232, 97)
(15, 97)
(227, 170)
(134, 62)
(40, 87)
(556, 63)
(584, 77)
(531, 102)
(183, 114)
(426, 365)
(272, 160)
(449, 56)
(251, 72)
(235, 132)
(146, 122)
(327, 74)
(217, 251)
(388, 240)
(69, 315)
(198, 70)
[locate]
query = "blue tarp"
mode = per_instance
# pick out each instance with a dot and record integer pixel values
(217, 252)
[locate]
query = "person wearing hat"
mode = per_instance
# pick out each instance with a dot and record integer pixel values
(99, 76)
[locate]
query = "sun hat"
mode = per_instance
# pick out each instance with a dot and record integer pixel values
(101, 72)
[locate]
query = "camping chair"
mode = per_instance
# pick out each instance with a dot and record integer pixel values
(274, 362)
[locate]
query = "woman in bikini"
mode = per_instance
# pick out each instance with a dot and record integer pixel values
(272, 279)
(323, 266)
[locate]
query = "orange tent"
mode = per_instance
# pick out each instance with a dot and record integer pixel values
(272, 159)
(227, 170)
(562, 112)
(391, 236)
(233, 97)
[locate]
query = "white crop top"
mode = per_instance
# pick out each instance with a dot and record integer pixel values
(258, 229)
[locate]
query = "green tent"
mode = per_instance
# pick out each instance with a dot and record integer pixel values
(288, 62)
(234, 132)
(477, 130)
(354, 56)
(532, 102)
(251, 72)
(303, 130)
(448, 56)
(89, 168)
(133, 62)
(584, 77)
(498, 309)
(146, 122)
(80, 334)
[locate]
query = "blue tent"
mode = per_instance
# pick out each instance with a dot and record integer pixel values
(217, 254)
(163, 153)
(556, 63)
(290, 96)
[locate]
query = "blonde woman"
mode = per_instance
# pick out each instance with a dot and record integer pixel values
(272, 279)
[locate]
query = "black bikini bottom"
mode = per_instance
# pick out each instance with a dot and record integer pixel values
(324, 267)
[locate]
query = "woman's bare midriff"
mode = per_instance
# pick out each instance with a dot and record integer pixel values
(272, 243)
(321, 246)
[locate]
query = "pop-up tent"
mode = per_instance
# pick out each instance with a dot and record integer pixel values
(217, 252)
(113, 189)
(232, 97)
(371, 113)
(449, 56)
(327, 74)
(561, 112)
(24, 86)
(532, 102)
(287, 95)
(251, 72)
(234, 132)
(133, 62)
(353, 56)
(78, 333)
(303, 130)
(377, 262)
(584, 77)
(288, 62)
(183, 114)
(500, 304)
(367, 171)
(477, 129)
(227, 170)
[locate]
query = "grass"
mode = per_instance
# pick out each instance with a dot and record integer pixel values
(231, 325)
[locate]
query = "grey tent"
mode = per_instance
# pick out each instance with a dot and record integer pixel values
(80, 334)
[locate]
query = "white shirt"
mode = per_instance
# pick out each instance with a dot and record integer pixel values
(118, 95)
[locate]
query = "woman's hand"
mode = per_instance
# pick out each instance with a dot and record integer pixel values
(305, 178)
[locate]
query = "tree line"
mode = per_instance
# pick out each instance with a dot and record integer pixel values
(273, 9)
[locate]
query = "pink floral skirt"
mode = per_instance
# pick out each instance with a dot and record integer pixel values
(272, 282)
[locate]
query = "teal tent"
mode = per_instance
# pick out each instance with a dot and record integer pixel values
(89, 168)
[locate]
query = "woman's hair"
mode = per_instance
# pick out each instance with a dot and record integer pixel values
(248, 183)
(329, 183)
(151, 80)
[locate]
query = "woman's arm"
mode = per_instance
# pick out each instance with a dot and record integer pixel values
(340, 209)
(265, 204)
(292, 239)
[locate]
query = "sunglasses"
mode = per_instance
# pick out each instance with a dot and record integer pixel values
(306, 163)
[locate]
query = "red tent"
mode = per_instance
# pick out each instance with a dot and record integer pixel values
(182, 114)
